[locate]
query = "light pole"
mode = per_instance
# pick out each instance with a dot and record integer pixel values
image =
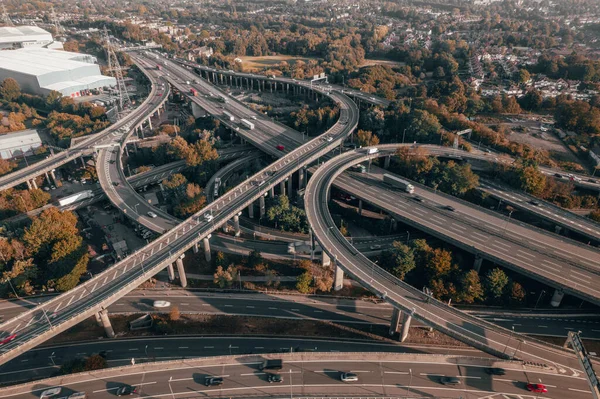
(507, 221)
(409, 382)
(146, 351)
(403, 136)
(538, 300)
(512, 331)
(518, 346)
(291, 386)
(407, 236)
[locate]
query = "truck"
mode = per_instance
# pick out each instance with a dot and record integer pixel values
(398, 183)
(229, 115)
(247, 124)
(217, 185)
(76, 197)
(372, 150)
(360, 168)
(194, 92)
(273, 364)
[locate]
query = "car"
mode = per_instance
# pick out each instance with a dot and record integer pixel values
(152, 214)
(280, 147)
(253, 117)
(558, 175)
(46, 188)
(375, 247)
(77, 395)
(126, 390)
(348, 377)
(495, 371)
(372, 98)
(328, 138)
(274, 378)
(449, 208)
(49, 393)
(161, 304)
(208, 217)
(417, 198)
(8, 339)
(538, 388)
(450, 380)
(213, 381)
(116, 183)
(592, 181)
(534, 202)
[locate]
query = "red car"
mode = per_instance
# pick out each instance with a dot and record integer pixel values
(8, 339)
(539, 388)
(280, 147)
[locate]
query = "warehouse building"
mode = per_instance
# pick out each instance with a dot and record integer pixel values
(14, 37)
(40, 71)
(17, 144)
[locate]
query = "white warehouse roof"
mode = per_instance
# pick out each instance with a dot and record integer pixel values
(19, 143)
(17, 34)
(39, 71)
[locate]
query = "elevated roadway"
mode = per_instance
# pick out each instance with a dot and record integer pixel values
(466, 328)
(45, 321)
(316, 374)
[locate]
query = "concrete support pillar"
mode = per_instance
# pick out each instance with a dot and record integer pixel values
(301, 172)
(98, 319)
(386, 162)
(261, 206)
(150, 123)
(405, 327)
(360, 205)
(171, 272)
(325, 259)
(272, 192)
(338, 281)
(110, 333)
(290, 186)
(54, 177)
(181, 272)
(196, 248)
(34, 184)
(29, 185)
(251, 211)
(281, 188)
(395, 323)
(206, 243)
(236, 225)
(311, 240)
(48, 179)
(477, 263)
(82, 162)
(557, 298)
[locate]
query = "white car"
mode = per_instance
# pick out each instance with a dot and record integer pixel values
(253, 117)
(328, 138)
(152, 214)
(348, 377)
(49, 393)
(208, 217)
(161, 304)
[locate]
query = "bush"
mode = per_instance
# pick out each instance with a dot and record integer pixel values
(174, 314)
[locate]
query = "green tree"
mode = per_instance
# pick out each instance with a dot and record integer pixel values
(402, 259)
(304, 283)
(495, 284)
(523, 76)
(471, 289)
(532, 180)
(225, 277)
(10, 90)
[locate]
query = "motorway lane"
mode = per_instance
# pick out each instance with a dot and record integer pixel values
(42, 362)
(33, 327)
(582, 225)
(453, 322)
(338, 310)
(311, 374)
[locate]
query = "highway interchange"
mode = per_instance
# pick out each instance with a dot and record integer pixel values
(107, 287)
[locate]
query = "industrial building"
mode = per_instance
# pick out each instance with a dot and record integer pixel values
(40, 71)
(15, 37)
(17, 144)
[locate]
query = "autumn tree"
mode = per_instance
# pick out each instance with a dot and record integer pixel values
(225, 277)
(10, 90)
(471, 289)
(366, 138)
(174, 314)
(304, 283)
(95, 362)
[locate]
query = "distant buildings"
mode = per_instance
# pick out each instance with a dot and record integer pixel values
(199, 52)
(40, 71)
(15, 37)
(17, 144)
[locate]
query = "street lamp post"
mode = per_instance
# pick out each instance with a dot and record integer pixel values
(291, 386)
(507, 221)
(509, 338)
(407, 236)
(539, 297)
(403, 136)
(409, 381)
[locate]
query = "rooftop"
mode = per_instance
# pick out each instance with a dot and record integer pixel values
(40, 61)
(10, 34)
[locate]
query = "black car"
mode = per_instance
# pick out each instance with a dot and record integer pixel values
(592, 181)
(450, 380)
(116, 183)
(213, 381)
(558, 175)
(495, 371)
(449, 208)
(534, 202)
(417, 198)
(274, 378)
(126, 390)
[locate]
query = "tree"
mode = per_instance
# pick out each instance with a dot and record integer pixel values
(495, 284)
(224, 278)
(366, 138)
(402, 259)
(517, 293)
(254, 258)
(95, 362)
(439, 263)
(471, 289)
(10, 90)
(523, 76)
(532, 180)
(304, 283)
(174, 314)
(6, 166)
(174, 181)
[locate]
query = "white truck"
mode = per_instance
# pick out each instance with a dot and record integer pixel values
(229, 115)
(372, 150)
(76, 197)
(247, 124)
(398, 183)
